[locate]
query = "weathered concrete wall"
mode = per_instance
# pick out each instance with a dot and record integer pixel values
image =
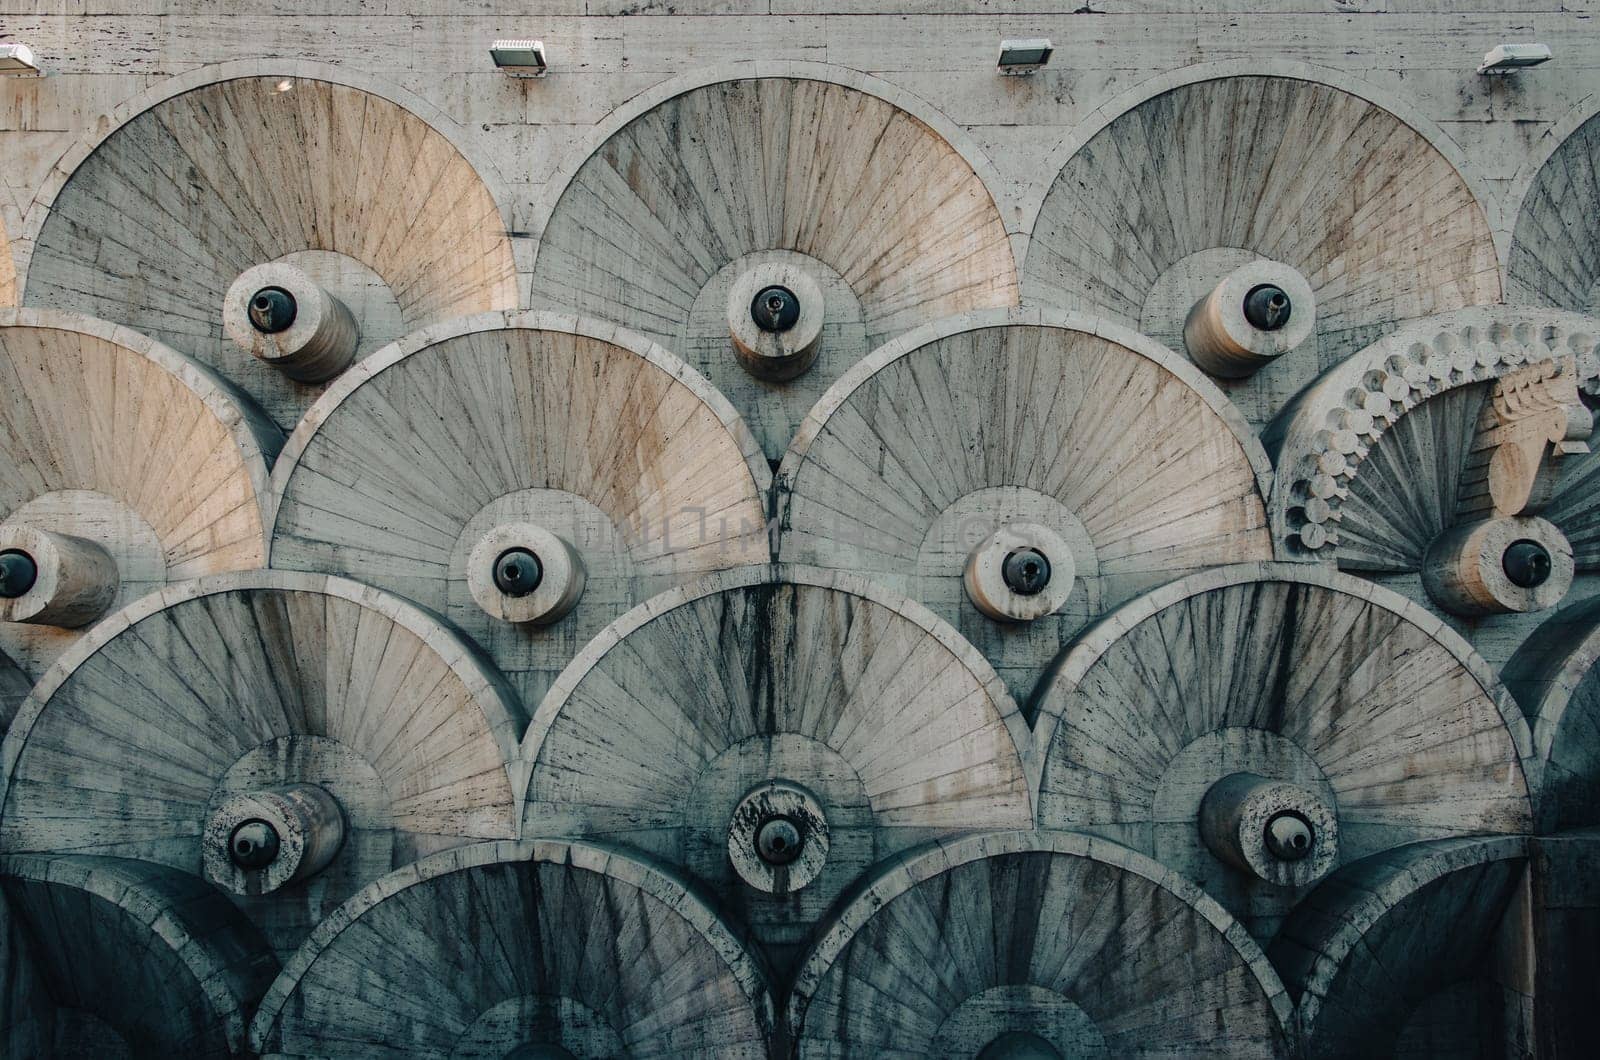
(440, 591)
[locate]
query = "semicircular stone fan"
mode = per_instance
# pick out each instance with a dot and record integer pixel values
(1035, 944)
(1554, 677)
(1022, 475)
(527, 476)
(1553, 260)
(113, 958)
(1176, 211)
(367, 216)
(1450, 460)
(782, 736)
(864, 217)
(552, 949)
(1396, 955)
(128, 466)
(1254, 727)
(288, 737)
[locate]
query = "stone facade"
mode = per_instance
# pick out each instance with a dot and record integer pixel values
(776, 540)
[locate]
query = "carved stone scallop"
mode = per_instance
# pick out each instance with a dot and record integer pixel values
(1345, 489)
(123, 958)
(553, 949)
(1165, 198)
(461, 434)
(841, 181)
(1364, 702)
(879, 726)
(1072, 945)
(1402, 953)
(1125, 453)
(114, 440)
(137, 741)
(1553, 260)
(1554, 677)
(376, 203)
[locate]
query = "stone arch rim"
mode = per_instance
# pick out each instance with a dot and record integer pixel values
(679, 896)
(255, 435)
(1043, 317)
(899, 875)
(1131, 98)
(544, 715)
(1421, 864)
(1076, 659)
(1550, 142)
(533, 320)
(91, 138)
(620, 116)
(109, 879)
(483, 682)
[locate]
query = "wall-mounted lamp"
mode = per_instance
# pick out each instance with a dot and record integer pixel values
(16, 60)
(1506, 58)
(1024, 56)
(519, 58)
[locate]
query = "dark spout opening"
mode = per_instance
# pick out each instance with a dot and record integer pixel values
(775, 309)
(18, 572)
(1289, 836)
(253, 845)
(1267, 307)
(1026, 571)
(272, 310)
(779, 840)
(1526, 563)
(517, 572)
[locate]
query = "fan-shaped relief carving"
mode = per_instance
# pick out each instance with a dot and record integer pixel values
(359, 197)
(529, 476)
(128, 465)
(1400, 954)
(1555, 680)
(289, 737)
(820, 190)
(960, 446)
(1253, 727)
(1443, 449)
(1346, 202)
(117, 958)
(1034, 944)
(549, 949)
(783, 733)
(1553, 259)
